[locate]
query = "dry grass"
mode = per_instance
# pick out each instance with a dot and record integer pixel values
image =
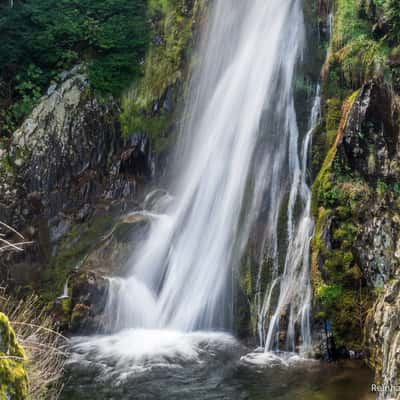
(45, 347)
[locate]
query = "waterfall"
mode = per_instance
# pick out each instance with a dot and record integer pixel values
(293, 284)
(238, 157)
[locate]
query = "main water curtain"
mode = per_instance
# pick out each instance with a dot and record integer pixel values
(237, 155)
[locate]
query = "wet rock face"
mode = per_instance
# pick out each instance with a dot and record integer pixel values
(135, 159)
(370, 150)
(358, 221)
(88, 299)
(371, 139)
(111, 255)
(383, 338)
(81, 309)
(378, 245)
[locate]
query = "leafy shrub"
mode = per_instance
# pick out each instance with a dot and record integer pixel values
(329, 294)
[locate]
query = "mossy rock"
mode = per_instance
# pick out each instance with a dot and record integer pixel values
(13, 377)
(111, 254)
(80, 316)
(85, 306)
(71, 253)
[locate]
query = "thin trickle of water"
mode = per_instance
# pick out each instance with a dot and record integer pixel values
(65, 292)
(293, 284)
(238, 156)
(330, 24)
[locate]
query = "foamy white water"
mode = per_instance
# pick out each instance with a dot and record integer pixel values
(143, 348)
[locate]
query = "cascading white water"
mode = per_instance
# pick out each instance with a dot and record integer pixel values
(238, 157)
(293, 284)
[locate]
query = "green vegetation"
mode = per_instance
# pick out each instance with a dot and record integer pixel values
(246, 312)
(39, 362)
(42, 38)
(72, 250)
(337, 203)
(13, 378)
(356, 55)
(348, 25)
(135, 49)
(392, 13)
(142, 106)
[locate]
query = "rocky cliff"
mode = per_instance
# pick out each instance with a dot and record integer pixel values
(68, 164)
(356, 193)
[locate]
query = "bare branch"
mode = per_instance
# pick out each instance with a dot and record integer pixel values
(12, 229)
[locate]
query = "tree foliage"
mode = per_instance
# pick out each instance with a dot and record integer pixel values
(41, 38)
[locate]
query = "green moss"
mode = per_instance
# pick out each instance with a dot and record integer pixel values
(348, 25)
(356, 56)
(246, 315)
(337, 201)
(164, 66)
(362, 59)
(136, 119)
(329, 294)
(323, 185)
(381, 188)
(333, 114)
(345, 233)
(252, 282)
(79, 316)
(72, 250)
(66, 306)
(13, 378)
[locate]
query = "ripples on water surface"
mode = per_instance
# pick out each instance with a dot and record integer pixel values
(158, 365)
